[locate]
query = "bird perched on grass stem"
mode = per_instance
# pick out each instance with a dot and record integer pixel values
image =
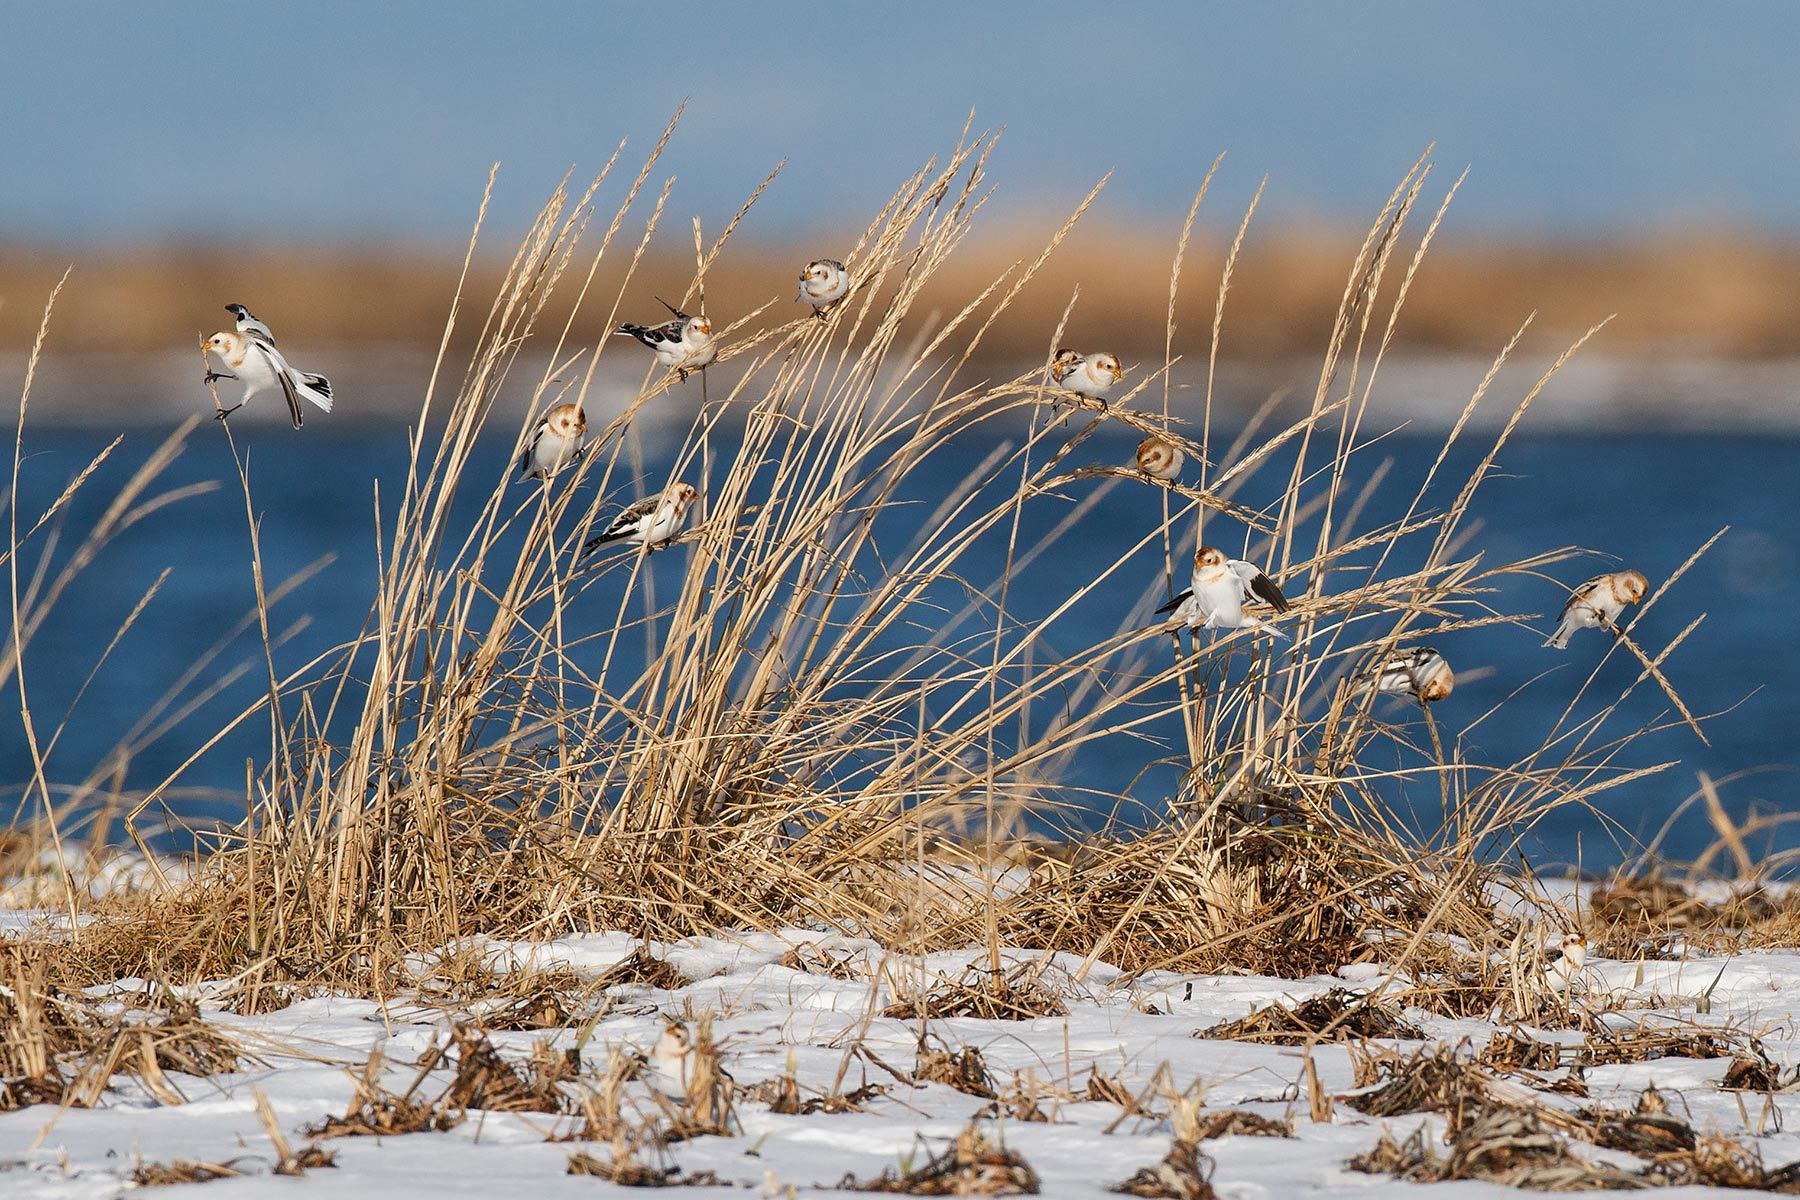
(1221, 587)
(259, 366)
(1597, 604)
(822, 284)
(1160, 458)
(555, 443)
(684, 343)
(1421, 673)
(650, 522)
(1090, 375)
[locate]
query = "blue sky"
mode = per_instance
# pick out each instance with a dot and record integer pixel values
(330, 119)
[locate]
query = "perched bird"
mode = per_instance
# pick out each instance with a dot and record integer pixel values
(671, 1061)
(259, 366)
(1420, 673)
(555, 443)
(1160, 458)
(1221, 588)
(650, 522)
(1563, 964)
(1597, 604)
(822, 284)
(1093, 376)
(1066, 360)
(685, 343)
(248, 325)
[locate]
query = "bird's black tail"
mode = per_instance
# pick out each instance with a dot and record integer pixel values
(1176, 603)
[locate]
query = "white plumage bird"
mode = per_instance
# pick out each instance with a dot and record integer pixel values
(555, 443)
(824, 282)
(1421, 673)
(1597, 604)
(683, 344)
(1220, 588)
(1090, 375)
(259, 366)
(650, 522)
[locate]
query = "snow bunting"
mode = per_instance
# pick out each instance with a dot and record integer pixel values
(671, 1061)
(685, 344)
(1160, 458)
(1421, 673)
(248, 325)
(1065, 361)
(1221, 588)
(1597, 604)
(650, 522)
(1563, 965)
(259, 366)
(822, 284)
(555, 443)
(1093, 376)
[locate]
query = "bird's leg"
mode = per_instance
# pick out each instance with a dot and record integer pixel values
(680, 374)
(212, 375)
(226, 412)
(819, 313)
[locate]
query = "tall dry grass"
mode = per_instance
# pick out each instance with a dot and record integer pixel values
(835, 721)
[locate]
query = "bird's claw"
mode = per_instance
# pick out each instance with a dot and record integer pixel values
(215, 375)
(226, 412)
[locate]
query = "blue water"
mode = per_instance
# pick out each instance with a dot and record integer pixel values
(1651, 500)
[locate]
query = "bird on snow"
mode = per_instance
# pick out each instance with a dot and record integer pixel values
(1597, 604)
(1220, 588)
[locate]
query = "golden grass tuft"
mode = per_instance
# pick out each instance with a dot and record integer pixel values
(834, 721)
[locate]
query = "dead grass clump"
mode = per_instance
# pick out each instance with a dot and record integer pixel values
(640, 968)
(1235, 1122)
(1514, 1050)
(971, 1166)
(962, 1069)
(485, 1080)
(377, 1112)
(1502, 1146)
(182, 1170)
(1723, 1162)
(1014, 996)
(1185, 1173)
(1753, 1071)
(847, 965)
(1337, 1016)
(1641, 1045)
(627, 1171)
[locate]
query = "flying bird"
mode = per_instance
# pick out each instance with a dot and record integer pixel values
(1597, 604)
(1160, 458)
(684, 344)
(1421, 673)
(260, 366)
(822, 284)
(248, 325)
(555, 443)
(1221, 587)
(650, 522)
(1093, 375)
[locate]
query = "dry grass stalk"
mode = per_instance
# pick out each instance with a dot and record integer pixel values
(1015, 995)
(182, 1170)
(627, 1171)
(1235, 1122)
(1185, 1173)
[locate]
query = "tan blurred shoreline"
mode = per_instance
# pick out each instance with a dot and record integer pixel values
(1692, 294)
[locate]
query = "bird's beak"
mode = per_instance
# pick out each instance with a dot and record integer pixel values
(1118, 374)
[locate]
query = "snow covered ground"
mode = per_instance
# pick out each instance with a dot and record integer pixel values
(825, 1024)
